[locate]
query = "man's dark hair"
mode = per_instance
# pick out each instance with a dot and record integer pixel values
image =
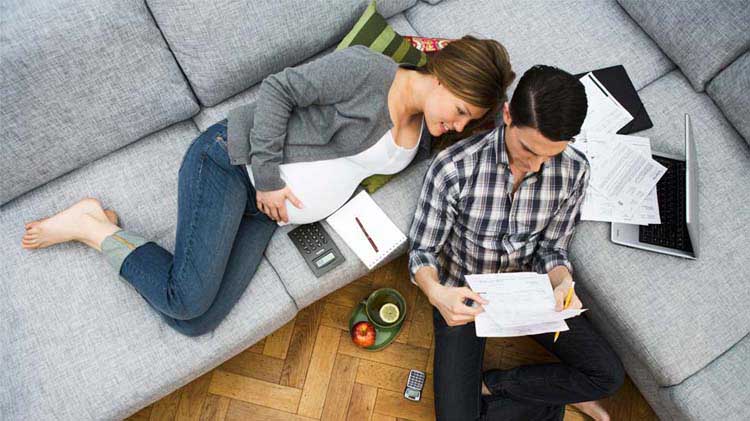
(550, 100)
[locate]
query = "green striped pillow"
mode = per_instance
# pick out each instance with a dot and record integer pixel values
(373, 31)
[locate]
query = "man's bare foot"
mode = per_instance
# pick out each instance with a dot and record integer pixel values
(593, 409)
(85, 221)
(485, 389)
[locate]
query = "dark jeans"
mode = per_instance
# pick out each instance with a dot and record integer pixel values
(221, 237)
(588, 370)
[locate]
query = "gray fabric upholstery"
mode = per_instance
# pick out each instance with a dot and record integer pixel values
(227, 46)
(576, 36)
(210, 115)
(730, 90)
(637, 370)
(81, 343)
(653, 296)
(80, 79)
(726, 382)
(398, 198)
(701, 37)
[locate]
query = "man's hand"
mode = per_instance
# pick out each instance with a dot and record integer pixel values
(561, 291)
(272, 203)
(450, 303)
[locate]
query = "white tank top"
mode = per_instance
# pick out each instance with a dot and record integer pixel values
(324, 186)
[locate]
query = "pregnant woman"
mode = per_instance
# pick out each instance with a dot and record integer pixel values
(294, 156)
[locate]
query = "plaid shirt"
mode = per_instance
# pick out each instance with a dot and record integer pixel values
(468, 223)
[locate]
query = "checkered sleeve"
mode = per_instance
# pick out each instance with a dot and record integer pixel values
(435, 214)
(552, 249)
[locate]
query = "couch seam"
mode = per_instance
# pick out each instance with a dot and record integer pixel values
(177, 62)
(276, 272)
(668, 388)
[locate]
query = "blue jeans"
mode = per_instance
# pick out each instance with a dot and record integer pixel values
(221, 237)
(588, 370)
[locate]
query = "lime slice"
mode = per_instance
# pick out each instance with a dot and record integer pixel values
(389, 312)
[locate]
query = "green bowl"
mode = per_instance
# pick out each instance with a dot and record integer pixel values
(381, 297)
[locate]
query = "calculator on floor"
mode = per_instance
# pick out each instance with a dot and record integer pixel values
(317, 248)
(414, 385)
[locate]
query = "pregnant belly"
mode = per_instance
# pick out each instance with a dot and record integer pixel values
(321, 186)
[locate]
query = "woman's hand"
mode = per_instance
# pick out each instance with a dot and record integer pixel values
(561, 292)
(450, 302)
(272, 203)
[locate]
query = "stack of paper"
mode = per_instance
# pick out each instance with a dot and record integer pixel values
(520, 304)
(604, 113)
(623, 180)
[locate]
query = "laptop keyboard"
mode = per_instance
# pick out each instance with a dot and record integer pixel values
(670, 190)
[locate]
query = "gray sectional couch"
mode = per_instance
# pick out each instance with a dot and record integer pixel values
(102, 98)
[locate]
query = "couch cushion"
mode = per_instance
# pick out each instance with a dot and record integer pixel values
(210, 115)
(573, 35)
(718, 392)
(700, 37)
(227, 46)
(398, 199)
(730, 90)
(82, 343)
(80, 79)
(372, 31)
(637, 371)
(677, 315)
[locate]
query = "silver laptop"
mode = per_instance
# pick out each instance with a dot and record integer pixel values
(677, 192)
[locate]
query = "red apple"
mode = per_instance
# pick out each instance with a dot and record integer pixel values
(363, 334)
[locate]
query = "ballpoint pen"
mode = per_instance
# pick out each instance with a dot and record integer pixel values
(364, 231)
(565, 306)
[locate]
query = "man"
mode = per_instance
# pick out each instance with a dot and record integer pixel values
(508, 201)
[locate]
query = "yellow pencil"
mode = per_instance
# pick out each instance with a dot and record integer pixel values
(565, 306)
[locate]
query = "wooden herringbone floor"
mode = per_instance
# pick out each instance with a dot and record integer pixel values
(309, 369)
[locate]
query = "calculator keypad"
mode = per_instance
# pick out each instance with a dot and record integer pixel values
(310, 238)
(416, 380)
(317, 248)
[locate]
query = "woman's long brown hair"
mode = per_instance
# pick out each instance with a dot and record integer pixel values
(477, 71)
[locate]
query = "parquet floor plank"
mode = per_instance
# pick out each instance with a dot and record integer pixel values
(255, 391)
(340, 388)
(301, 345)
(192, 398)
(215, 408)
(319, 373)
(362, 402)
(277, 343)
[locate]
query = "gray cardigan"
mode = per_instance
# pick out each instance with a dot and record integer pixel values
(331, 107)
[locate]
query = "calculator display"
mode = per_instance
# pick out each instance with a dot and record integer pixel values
(324, 260)
(412, 394)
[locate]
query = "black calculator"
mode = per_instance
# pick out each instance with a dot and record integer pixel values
(317, 248)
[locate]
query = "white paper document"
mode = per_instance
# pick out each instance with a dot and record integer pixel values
(598, 207)
(604, 112)
(520, 303)
(487, 328)
(620, 172)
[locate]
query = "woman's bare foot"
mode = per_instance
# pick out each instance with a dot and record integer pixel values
(85, 221)
(593, 409)
(112, 216)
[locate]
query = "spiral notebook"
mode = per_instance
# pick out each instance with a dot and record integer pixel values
(373, 231)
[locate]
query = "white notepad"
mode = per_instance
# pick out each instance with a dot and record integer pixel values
(383, 232)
